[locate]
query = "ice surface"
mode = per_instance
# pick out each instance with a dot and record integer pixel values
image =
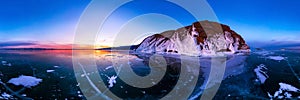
(278, 58)
(112, 81)
(49, 71)
(234, 66)
(260, 73)
(26, 81)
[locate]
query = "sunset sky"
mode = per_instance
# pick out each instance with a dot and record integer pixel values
(44, 23)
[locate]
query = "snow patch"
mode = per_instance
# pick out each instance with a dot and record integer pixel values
(112, 81)
(138, 59)
(24, 95)
(261, 73)
(3, 62)
(6, 96)
(287, 87)
(108, 67)
(55, 66)
(26, 81)
(284, 91)
(278, 58)
(49, 71)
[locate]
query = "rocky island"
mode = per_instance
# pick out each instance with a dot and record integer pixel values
(201, 38)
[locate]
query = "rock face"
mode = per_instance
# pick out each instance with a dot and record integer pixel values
(200, 38)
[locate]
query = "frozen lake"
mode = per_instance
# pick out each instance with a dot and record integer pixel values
(50, 74)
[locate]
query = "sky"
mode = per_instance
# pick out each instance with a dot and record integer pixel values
(27, 23)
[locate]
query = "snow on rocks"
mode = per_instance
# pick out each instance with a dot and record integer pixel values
(261, 73)
(26, 81)
(112, 81)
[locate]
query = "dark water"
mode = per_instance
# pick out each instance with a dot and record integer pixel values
(239, 80)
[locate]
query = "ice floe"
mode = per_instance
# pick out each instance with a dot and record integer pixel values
(112, 81)
(26, 81)
(261, 73)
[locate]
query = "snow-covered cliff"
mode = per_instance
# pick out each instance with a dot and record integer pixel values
(200, 38)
